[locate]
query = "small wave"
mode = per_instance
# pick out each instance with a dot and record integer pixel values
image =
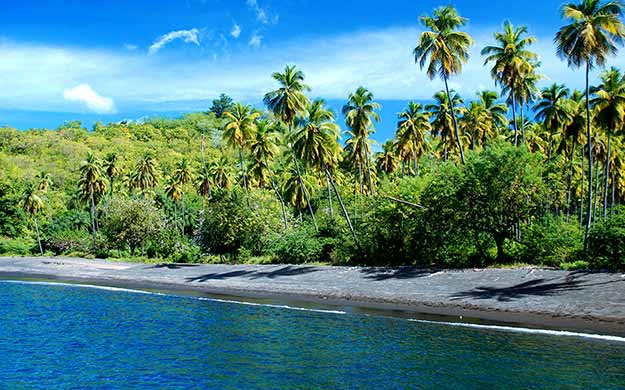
(548, 332)
(107, 288)
(273, 306)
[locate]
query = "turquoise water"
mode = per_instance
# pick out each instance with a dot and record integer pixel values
(64, 337)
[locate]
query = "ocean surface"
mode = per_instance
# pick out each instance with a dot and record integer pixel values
(56, 336)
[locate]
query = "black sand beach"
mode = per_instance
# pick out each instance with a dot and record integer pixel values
(572, 300)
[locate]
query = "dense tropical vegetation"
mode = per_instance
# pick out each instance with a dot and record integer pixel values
(522, 175)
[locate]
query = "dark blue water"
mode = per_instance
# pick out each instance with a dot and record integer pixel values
(61, 337)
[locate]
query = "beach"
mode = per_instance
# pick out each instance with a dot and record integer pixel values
(553, 299)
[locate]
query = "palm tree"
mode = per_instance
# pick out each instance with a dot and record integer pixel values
(239, 129)
(387, 159)
(111, 168)
(475, 123)
(316, 142)
(220, 172)
(554, 111)
(593, 34)
(511, 59)
(287, 102)
(412, 127)
(45, 181)
(145, 174)
(609, 105)
(264, 148)
(173, 189)
(447, 49)
(572, 137)
(31, 204)
(441, 116)
(183, 175)
(360, 113)
(91, 185)
(495, 112)
(527, 92)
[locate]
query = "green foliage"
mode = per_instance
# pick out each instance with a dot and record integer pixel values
(579, 265)
(607, 243)
(17, 246)
(551, 241)
(298, 246)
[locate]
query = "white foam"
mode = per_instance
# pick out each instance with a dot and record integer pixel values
(274, 306)
(548, 332)
(107, 288)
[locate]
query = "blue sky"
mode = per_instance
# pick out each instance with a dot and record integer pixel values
(112, 60)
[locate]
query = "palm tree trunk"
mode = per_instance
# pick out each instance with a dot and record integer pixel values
(569, 183)
(330, 198)
(338, 197)
(516, 130)
(38, 236)
(607, 177)
(182, 222)
(455, 122)
(275, 189)
(369, 173)
(522, 124)
(204, 165)
(242, 169)
(613, 194)
(581, 203)
(93, 229)
(176, 214)
(590, 162)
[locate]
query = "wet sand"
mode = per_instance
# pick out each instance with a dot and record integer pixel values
(571, 300)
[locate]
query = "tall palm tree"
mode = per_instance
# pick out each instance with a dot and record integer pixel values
(554, 111)
(31, 203)
(173, 189)
(360, 113)
(572, 137)
(446, 49)
(495, 111)
(316, 142)
(511, 59)
(92, 185)
(609, 105)
(475, 123)
(264, 148)
(412, 127)
(145, 174)
(441, 118)
(287, 102)
(183, 174)
(593, 34)
(239, 129)
(387, 159)
(527, 92)
(111, 169)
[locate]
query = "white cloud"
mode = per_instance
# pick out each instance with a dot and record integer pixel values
(261, 13)
(84, 94)
(256, 40)
(188, 36)
(130, 47)
(236, 31)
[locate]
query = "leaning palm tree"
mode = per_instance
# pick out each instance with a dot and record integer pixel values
(361, 112)
(92, 186)
(446, 49)
(239, 129)
(316, 142)
(412, 127)
(286, 103)
(511, 59)
(593, 34)
(31, 203)
(609, 105)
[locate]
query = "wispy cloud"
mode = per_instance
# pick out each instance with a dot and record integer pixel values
(236, 31)
(188, 36)
(130, 47)
(84, 94)
(35, 76)
(256, 40)
(262, 14)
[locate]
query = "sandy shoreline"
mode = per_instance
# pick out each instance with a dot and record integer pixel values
(580, 301)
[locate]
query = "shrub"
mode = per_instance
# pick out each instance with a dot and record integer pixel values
(607, 243)
(62, 242)
(297, 246)
(17, 246)
(551, 242)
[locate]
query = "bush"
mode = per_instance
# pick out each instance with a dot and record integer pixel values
(607, 243)
(68, 241)
(551, 242)
(17, 246)
(297, 246)
(575, 266)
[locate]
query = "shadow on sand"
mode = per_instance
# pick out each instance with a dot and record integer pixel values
(174, 266)
(382, 273)
(253, 275)
(536, 287)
